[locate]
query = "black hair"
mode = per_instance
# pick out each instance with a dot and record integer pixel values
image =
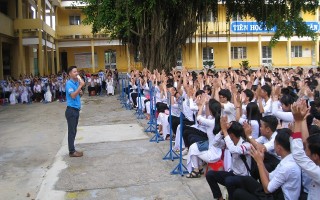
(313, 129)
(283, 138)
(215, 109)
(199, 92)
(207, 87)
(202, 73)
(271, 122)
(253, 112)
(267, 88)
(71, 68)
(236, 129)
(314, 143)
(249, 94)
(287, 100)
(225, 93)
(254, 87)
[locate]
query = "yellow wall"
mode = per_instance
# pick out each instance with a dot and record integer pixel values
(308, 16)
(304, 60)
(220, 54)
(252, 54)
(121, 56)
(189, 56)
(279, 54)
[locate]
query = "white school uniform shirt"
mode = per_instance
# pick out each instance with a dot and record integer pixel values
(37, 88)
(277, 111)
(267, 107)
(254, 124)
(188, 113)
(242, 148)
(286, 175)
(308, 167)
(269, 143)
(229, 110)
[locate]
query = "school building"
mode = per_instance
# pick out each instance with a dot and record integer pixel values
(47, 36)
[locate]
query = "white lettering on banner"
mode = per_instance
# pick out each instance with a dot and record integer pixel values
(240, 27)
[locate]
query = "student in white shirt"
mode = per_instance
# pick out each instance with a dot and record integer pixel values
(265, 143)
(286, 176)
(308, 159)
(227, 107)
(282, 109)
(231, 136)
(212, 153)
(264, 100)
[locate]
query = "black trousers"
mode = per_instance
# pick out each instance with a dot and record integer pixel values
(215, 177)
(192, 135)
(72, 116)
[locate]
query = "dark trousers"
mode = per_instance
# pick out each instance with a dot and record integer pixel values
(72, 116)
(252, 189)
(215, 177)
(175, 123)
(192, 135)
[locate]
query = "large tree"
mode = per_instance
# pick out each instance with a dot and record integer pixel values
(158, 28)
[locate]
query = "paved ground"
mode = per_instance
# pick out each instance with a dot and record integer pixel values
(119, 161)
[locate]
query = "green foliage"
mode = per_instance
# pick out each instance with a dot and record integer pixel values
(244, 65)
(158, 28)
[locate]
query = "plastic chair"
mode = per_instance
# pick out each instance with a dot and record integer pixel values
(216, 166)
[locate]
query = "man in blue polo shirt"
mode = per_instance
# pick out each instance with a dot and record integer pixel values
(73, 92)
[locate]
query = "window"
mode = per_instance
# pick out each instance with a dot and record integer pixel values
(207, 56)
(236, 17)
(296, 51)
(208, 17)
(238, 52)
(74, 20)
(179, 58)
(110, 59)
(266, 55)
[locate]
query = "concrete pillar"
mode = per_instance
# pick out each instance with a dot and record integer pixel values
(229, 51)
(53, 69)
(39, 9)
(260, 51)
(40, 54)
(92, 56)
(21, 67)
(128, 58)
(46, 67)
(316, 51)
(289, 52)
(51, 13)
(58, 57)
(1, 60)
(197, 52)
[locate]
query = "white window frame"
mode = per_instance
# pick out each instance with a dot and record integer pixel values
(238, 53)
(266, 55)
(296, 51)
(73, 21)
(207, 55)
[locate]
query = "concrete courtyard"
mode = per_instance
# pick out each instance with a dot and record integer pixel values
(119, 162)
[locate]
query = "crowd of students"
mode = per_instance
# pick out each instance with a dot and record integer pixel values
(46, 89)
(263, 125)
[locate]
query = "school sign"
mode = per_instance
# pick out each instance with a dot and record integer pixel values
(254, 27)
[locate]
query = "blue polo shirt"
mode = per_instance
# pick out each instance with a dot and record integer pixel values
(71, 87)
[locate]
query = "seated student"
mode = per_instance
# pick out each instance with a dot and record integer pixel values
(109, 85)
(282, 183)
(264, 100)
(308, 159)
(212, 124)
(284, 113)
(265, 142)
(231, 136)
